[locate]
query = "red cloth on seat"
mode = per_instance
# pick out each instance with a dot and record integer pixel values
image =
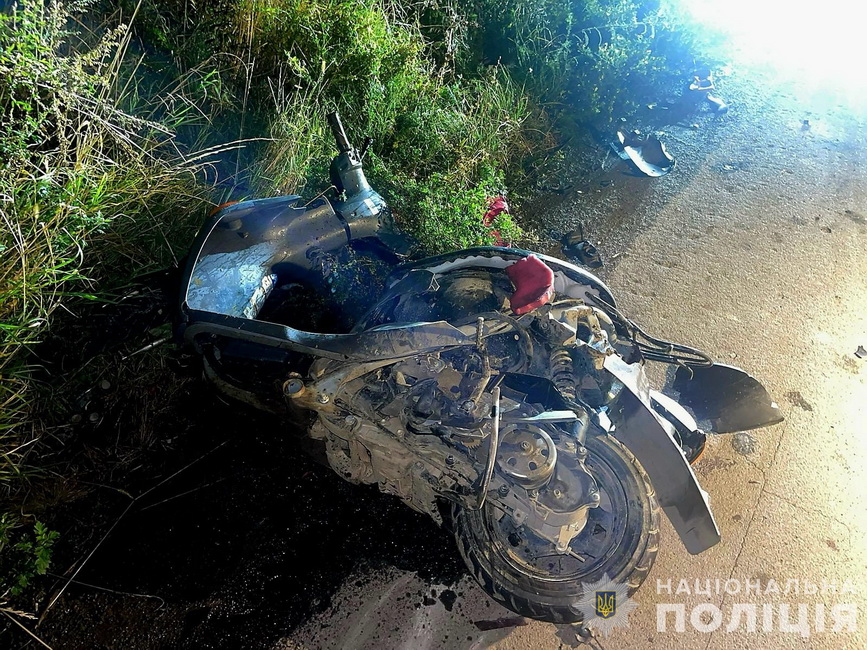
(534, 284)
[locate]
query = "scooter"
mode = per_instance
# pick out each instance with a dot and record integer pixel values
(500, 391)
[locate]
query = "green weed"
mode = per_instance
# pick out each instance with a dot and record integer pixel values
(23, 554)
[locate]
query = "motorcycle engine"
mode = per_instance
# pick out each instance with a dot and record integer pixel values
(422, 428)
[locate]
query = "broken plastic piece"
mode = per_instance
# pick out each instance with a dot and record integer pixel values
(534, 284)
(702, 81)
(496, 206)
(648, 154)
(718, 104)
(725, 399)
(861, 353)
(580, 250)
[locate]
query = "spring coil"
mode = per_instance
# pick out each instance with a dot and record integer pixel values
(563, 372)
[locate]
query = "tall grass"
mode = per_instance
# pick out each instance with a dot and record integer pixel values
(78, 174)
(435, 133)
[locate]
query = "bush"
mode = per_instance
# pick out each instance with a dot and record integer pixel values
(587, 63)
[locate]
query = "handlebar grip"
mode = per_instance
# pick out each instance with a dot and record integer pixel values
(338, 132)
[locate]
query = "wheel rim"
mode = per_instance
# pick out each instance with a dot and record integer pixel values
(596, 544)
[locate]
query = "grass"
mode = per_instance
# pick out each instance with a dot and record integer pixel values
(89, 197)
(115, 139)
(433, 131)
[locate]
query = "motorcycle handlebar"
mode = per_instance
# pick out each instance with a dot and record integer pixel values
(338, 132)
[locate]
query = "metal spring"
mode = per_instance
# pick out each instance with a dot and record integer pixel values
(563, 372)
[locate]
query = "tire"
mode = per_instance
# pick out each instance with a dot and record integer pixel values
(630, 543)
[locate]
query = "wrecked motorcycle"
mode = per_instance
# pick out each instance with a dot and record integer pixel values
(499, 391)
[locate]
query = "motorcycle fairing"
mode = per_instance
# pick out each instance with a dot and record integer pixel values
(233, 262)
(679, 417)
(651, 439)
(236, 258)
(725, 399)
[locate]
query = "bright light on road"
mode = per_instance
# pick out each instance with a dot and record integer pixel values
(820, 43)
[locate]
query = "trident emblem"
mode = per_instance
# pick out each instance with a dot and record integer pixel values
(606, 604)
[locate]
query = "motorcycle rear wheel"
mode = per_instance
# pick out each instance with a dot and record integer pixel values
(620, 541)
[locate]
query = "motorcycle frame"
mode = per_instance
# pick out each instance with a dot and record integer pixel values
(230, 271)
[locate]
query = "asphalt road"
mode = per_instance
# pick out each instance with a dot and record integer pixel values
(753, 249)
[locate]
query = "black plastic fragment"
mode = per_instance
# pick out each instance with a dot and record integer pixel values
(725, 399)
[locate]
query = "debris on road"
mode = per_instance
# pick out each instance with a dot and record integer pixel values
(702, 82)
(578, 249)
(501, 623)
(647, 153)
(861, 353)
(729, 167)
(718, 104)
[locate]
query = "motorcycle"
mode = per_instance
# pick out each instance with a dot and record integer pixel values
(500, 391)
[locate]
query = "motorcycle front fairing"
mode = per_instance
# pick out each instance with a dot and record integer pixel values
(247, 249)
(234, 261)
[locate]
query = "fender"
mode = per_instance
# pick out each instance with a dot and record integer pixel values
(725, 399)
(650, 438)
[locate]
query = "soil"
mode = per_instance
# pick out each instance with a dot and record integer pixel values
(243, 538)
(189, 522)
